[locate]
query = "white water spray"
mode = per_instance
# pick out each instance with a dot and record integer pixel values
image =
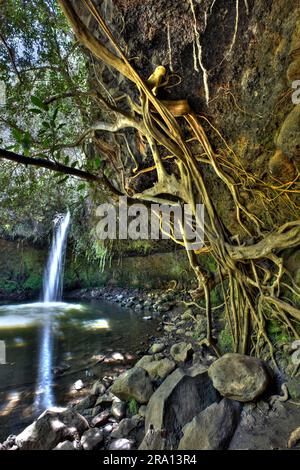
(54, 270)
(52, 292)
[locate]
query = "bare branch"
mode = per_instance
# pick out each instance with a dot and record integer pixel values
(58, 167)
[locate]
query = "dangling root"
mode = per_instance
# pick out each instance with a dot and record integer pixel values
(250, 274)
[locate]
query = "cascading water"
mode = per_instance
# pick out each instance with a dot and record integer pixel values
(54, 270)
(52, 292)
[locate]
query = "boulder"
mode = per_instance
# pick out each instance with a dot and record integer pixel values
(91, 439)
(53, 426)
(211, 429)
(239, 377)
(179, 398)
(181, 352)
(159, 369)
(134, 383)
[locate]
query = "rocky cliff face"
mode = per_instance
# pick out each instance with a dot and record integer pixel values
(235, 62)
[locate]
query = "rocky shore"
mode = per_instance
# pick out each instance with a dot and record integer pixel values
(178, 394)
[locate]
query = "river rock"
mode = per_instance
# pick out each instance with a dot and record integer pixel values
(100, 419)
(125, 427)
(86, 403)
(91, 439)
(53, 426)
(181, 352)
(159, 369)
(239, 377)
(211, 429)
(78, 385)
(183, 394)
(157, 348)
(121, 444)
(98, 388)
(105, 400)
(134, 383)
(118, 409)
(66, 445)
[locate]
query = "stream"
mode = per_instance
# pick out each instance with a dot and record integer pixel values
(81, 334)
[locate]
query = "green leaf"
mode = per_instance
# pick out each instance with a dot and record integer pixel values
(81, 186)
(63, 179)
(17, 135)
(97, 163)
(54, 114)
(39, 103)
(35, 111)
(46, 124)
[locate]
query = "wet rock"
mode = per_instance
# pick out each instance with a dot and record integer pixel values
(182, 352)
(142, 411)
(159, 369)
(79, 385)
(118, 409)
(91, 439)
(105, 400)
(121, 444)
(211, 429)
(135, 383)
(66, 445)
(60, 369)
(157, 348)
(100, 419)
(265, 430)
(9, 443)
(53, 426)
(124, 429)
(98, 388)
(183, 394)
(239, 377)
(87, 402)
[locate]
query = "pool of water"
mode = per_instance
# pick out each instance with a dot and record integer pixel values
(82, 333)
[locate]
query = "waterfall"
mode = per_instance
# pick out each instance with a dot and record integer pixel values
(54, 270)
(52, 292)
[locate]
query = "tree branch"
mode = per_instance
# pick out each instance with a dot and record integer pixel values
(58, 167)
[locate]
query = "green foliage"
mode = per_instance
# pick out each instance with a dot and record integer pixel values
(225, 340)
(277, 333)
(47, 62)
(133, 406)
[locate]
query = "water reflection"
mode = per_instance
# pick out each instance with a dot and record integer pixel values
(83, 334)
